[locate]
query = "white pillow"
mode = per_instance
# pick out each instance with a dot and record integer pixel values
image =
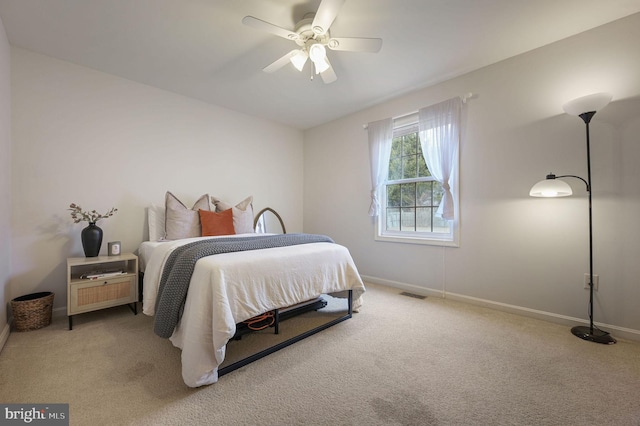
(180, 221)
(242, 213)
(155, 216)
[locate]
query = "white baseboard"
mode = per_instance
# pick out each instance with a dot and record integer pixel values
(59, 312)
(618, 332)
(4, 336)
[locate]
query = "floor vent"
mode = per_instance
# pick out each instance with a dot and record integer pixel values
(415, 296)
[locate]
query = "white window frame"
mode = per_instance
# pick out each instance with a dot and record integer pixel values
(402, 126)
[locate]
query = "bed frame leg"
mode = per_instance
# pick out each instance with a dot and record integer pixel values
(276, 320)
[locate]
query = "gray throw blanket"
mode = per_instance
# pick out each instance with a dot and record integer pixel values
(176, 275)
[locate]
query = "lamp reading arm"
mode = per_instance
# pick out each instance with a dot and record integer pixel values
(552, 176)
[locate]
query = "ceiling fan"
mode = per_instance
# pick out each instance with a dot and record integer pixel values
(312, 36)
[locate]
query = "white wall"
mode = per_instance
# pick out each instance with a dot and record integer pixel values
(516, 252)
(97, 140)
(5, 182)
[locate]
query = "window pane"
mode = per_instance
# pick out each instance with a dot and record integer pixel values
(408, 219)
(409, 167)
(393, 219)
(438, 193)
(423, 219)
(423, 194)
(408, 194)
(409, 144)
(440, 225)
(423, 171)
(393, 195)
(396, 147)
(395, 168)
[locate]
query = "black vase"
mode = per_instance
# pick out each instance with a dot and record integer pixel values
(91, 240)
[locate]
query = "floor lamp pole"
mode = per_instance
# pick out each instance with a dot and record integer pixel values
(587, 119)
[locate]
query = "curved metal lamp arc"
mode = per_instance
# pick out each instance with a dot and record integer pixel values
(585, 108)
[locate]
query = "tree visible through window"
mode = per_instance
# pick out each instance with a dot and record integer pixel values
(412, 194)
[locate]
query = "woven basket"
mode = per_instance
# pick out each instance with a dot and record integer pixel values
(32, 311)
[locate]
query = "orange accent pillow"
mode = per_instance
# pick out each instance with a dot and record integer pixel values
(214, 223)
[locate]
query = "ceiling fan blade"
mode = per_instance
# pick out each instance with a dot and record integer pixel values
(328, 75)
(372, 45)
(279, 63)
(326, 14)
(259, 24)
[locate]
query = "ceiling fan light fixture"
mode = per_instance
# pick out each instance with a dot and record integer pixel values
(321, 65)
(318, 55)
(317, 52)
(299, 59)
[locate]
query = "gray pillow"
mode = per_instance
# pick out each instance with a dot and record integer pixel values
(180, 221)
(242, 213)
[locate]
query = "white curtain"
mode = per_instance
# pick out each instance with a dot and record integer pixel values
(380, 137)
(440, 140)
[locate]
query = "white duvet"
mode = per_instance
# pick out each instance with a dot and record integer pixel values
(229, 288)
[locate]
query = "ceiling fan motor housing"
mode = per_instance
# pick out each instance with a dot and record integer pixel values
(307, 35)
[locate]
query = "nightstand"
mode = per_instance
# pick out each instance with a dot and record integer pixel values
(101, 282)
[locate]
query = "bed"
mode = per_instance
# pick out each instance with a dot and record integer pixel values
(228, 288)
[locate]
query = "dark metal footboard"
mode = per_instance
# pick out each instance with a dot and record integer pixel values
(248, 360)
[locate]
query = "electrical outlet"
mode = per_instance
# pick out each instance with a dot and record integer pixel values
(595, 282)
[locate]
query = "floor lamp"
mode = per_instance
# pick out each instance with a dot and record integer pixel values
(585, 108)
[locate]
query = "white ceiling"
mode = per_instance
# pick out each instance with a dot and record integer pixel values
(201, 49)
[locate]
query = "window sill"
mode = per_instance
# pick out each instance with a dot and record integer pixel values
(432, 241)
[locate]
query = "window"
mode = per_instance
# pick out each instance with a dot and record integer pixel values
(414, 175)
(411, 195)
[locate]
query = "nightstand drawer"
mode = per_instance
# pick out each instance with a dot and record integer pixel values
(89, 295)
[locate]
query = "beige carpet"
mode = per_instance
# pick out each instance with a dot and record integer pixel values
(400, 361)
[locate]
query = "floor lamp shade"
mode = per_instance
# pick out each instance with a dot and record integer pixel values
(589, 103)
(551, 187)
